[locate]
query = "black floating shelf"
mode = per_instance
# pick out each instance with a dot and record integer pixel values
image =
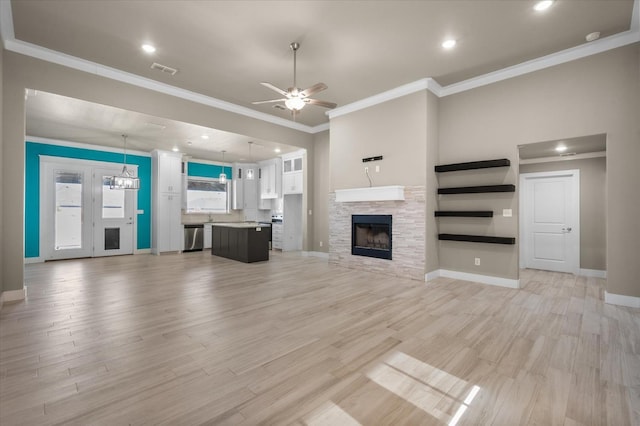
(480, 213)
(487, 164)
(477, 189)
(477, 239)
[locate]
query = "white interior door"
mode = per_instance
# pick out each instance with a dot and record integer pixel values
(65, 211)
(551, 220)
(113, 222)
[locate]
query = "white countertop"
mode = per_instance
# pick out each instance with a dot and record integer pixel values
(240, 224)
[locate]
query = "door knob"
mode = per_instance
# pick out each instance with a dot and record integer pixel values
(566, 229)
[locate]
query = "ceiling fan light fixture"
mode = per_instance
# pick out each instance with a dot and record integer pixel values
(294, 104)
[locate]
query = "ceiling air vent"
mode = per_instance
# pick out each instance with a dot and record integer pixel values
(163, 68)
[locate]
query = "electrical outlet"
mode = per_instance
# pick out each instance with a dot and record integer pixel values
(507, 212)
(320, 243)
(477, 261)
(377, 169)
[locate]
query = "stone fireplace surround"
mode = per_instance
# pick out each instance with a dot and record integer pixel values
(408, 234)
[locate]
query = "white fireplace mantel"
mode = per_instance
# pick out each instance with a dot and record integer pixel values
(374, 193)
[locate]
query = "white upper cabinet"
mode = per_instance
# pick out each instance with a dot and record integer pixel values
(168, 171)
(270, 179)
(292, 173)
(245, 186)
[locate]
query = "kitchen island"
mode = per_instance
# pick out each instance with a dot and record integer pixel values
(245, 242)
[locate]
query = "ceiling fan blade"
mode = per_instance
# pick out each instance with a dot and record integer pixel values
(275, 89)
(325, 104)
(318, 87)
(268, 101)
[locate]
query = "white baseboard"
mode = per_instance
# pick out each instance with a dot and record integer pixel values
(432, 275)
(621, 300)
(596, 273)
(39, 259)
(12, 296)
(482, 279)
(320, 254)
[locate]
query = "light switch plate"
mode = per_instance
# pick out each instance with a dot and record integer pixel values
(507, 212)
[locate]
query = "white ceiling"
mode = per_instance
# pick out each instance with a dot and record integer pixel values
(223, 49)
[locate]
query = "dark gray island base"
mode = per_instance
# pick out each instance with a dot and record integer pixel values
(244, 242)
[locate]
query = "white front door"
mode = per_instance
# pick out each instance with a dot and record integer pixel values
(113, 216)
(80, 216)
(551, 220)
(66, 211)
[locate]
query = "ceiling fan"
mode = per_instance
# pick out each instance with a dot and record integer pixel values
(295, 98)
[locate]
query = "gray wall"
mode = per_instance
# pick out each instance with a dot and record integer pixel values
(431, 197)
(321, 192)
(4, 178)
(397, 130)
(22, 72)
(598, 94)
(593, 197)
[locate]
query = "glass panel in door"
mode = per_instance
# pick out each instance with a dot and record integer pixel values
(114, 221)
(68, 210)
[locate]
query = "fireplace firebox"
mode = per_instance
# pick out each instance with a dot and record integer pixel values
(371, 236)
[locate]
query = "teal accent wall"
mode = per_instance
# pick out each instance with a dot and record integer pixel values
(32, 189)
(208, 170)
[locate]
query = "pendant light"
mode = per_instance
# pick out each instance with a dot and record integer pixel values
(126, 179)
(223, 176)
(250, 173)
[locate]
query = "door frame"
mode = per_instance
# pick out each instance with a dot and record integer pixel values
(525, 214)
(45, 214)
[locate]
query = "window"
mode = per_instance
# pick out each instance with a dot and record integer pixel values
(207, 196)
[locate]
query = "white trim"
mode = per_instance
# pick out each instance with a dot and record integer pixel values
(28, 260)
(621, 300)
(320, 254)
(432, 275)
(39, 52)
(584, 156)
(482, 279)
(13, 295)
(604, 44)
(386, 96)
(57, 142)
(557, 58)
(82, 162)
(523, 205)
(596, 273)
(374, 193)
(142, 251)
(209, 162)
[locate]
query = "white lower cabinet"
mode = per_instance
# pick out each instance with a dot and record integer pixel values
(206, 243)
(169, 231)
(276, 236)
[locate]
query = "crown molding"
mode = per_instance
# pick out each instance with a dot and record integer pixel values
(397, 92)
(69, 144)
(571, 54)
(567, 55)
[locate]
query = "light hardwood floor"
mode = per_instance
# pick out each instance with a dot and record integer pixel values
(192, 338)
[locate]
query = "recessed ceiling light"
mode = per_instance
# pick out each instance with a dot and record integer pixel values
(175, 149)
(205, 136)
(189, 142)
(593, 36)
(561, 148)
(148, 48)
(543, 5)
(276, 150)
(449, 44)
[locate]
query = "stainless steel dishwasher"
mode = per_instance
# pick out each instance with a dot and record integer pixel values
(193, 237)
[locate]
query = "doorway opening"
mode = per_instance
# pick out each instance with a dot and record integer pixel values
(562, 205)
